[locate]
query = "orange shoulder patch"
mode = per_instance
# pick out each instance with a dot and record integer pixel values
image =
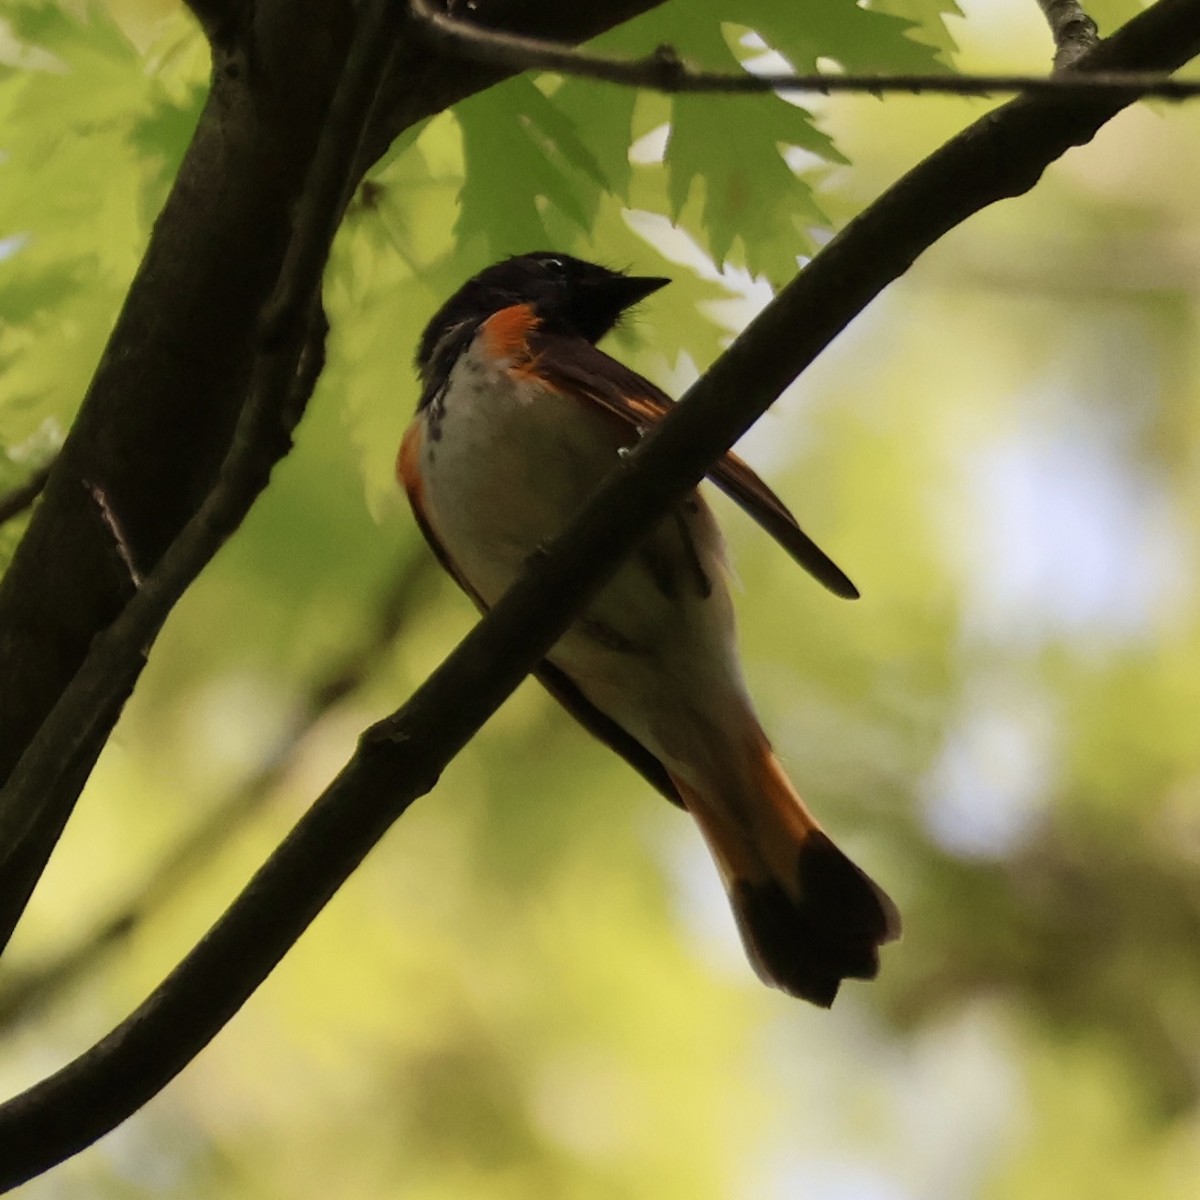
(506, 333)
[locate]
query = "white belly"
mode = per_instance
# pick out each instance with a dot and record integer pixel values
(505, 467)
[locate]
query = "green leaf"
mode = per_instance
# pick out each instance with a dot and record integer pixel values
(25, 294)
(74, 34)
(750, 197)
(729, 181)
(521, 153)
(859, 39)
(92, 137)
(102, 71)
(928, 19)
(1110, 15)
(745, 193)
(606, 117)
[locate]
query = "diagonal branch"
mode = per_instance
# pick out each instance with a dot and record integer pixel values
(664, 70)
(23, 994)
(1002, 155)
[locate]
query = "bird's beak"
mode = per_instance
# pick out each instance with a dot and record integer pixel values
(625, 290)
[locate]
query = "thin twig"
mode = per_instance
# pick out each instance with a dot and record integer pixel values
(18, 499)
(665, 71)
(1074, 32)
(424, 84)
(38, 795)
(1001, 155)
(24, 994)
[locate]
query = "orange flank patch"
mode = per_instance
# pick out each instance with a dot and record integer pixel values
(408, 464)
(408, 472)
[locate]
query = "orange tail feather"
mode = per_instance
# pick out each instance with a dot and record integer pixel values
(808, 917)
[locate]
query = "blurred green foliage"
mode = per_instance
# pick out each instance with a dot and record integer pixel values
(533, 988)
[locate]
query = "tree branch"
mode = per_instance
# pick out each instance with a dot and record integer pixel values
(665, 71)
(159, 415)
(16, 500)
(22, 995)
(1073, 30)
(399, 759)
(39, 794)
(427, 81)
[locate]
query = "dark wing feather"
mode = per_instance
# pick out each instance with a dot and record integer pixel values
(600, 726)
(576, 366)
(748, 491)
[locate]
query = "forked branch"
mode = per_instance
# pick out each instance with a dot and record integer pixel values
(1074, 32)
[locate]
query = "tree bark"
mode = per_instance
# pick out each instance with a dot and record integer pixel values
(157, 420)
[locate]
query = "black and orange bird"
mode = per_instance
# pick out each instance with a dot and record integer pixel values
(520, 418)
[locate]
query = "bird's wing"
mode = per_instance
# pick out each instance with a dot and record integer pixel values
(577, 367)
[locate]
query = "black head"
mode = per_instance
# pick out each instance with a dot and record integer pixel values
(570, 296)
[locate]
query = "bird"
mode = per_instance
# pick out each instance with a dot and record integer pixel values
(520, 417)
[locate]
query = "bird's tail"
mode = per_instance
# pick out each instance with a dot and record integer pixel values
(808, 916)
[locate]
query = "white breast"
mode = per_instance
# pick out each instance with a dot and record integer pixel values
(505, 465)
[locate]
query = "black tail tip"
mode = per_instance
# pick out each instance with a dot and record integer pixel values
(807, 946)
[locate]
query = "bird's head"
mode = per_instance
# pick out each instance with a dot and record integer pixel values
(569, 295)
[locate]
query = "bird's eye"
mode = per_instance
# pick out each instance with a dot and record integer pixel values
(556, 265)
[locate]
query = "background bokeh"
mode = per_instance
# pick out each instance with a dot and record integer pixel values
(533, 987)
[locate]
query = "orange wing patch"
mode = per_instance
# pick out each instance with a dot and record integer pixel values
(506, 333)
